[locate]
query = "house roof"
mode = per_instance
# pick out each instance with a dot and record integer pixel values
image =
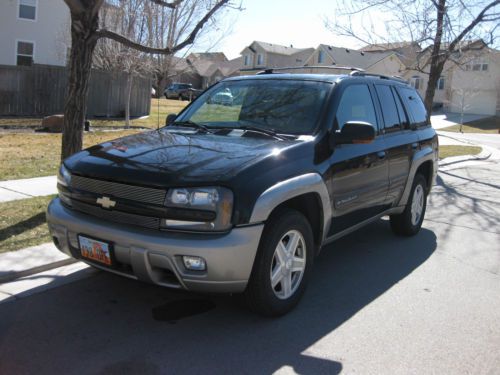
(353, 58)
(275, 48)
(207, 56)
(388, 46)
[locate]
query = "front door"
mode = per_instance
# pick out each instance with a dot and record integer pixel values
(359, 173)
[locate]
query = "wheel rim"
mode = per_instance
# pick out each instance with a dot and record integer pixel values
(288, 264)
(417, 204)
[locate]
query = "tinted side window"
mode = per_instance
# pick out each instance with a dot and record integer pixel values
(389, 109)
(415, 106)
(356, 105)
(403, 117)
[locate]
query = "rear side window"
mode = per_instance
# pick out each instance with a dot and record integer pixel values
(415, 106)
(389, 109)
(403, 117)
(356, 105)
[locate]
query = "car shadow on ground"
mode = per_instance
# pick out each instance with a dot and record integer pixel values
(108, 324)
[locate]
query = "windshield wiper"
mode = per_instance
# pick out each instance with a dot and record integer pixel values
(192, 124)
(256, 129)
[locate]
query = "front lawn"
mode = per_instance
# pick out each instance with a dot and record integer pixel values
(486, 125)
(457, 150)
(25, 155)
(160, 108)
(22, 223)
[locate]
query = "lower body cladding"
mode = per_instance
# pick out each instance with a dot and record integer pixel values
(157, 257)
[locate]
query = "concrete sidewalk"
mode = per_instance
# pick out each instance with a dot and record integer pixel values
(35, 259)
(27, 188)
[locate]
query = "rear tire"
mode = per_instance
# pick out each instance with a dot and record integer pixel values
(409, 222)
(282, 265)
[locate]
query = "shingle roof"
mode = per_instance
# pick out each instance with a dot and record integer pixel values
(354, 58)
(386, 46)
(276, 48)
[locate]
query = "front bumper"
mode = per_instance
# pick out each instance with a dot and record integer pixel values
(155, 256)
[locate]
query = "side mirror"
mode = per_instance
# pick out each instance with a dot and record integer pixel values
(354, 132)
(170, 119)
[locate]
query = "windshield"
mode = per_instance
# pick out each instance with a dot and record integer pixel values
(283, 106)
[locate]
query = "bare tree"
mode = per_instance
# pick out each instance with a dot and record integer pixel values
(442, 25)
(85, 32)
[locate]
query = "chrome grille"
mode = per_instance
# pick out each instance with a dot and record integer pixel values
(117, 216)
(115, 189)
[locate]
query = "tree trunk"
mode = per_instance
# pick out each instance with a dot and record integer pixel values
(437, 62)
(83, 41)
(434, 75)
(128, 92)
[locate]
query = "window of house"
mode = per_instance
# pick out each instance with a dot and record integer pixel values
(25, 52)
(247, 60)
(27, 9)
(440, 83)
(416, 82)
(476, 66)
(356, 105)
(321, 56)
(260, 59)
(389, 109)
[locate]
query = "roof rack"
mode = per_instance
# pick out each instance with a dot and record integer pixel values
(381, 76)
(272, 70)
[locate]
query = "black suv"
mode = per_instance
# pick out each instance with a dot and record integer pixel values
(241, 196)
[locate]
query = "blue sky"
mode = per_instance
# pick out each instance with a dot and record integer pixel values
(282, 22)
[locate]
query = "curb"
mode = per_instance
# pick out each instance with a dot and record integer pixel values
(45, 267)
(483, 155)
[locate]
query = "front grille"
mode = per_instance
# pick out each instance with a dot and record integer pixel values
(117, 216)
(117, 190)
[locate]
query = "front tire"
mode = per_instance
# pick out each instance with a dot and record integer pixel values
(409, 222)
(283, 264)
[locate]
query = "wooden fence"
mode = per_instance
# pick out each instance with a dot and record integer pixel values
(41, 90)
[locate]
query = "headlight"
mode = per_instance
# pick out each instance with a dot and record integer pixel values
(218, 200)
(63, 177)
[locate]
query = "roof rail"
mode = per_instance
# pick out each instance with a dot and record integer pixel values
(381, 76)
(272, 70)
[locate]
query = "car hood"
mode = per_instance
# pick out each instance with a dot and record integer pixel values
(166, 158)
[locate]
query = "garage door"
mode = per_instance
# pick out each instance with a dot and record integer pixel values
(478, 102)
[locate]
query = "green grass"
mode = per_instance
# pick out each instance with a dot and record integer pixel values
(22, 223)
(157, 114)
(489, 125)
(457, 150)
(25, 155)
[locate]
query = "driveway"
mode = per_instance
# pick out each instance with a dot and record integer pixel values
(441, 119)
(376, 304)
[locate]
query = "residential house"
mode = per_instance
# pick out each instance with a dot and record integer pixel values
(34, 32)
(470, 81)
(260, 55)
(382, 62)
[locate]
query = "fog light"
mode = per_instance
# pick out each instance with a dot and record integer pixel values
(194, 263)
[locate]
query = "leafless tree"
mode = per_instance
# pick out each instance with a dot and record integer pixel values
(85, 33)
(440, 25)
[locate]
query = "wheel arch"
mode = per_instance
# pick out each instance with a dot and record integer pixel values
(307, 194)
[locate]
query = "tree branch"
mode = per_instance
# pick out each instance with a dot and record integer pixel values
(171, 5)
(104, 33)
(75, 6)
(478, 19)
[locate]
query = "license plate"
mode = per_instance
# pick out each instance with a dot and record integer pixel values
(95, 250)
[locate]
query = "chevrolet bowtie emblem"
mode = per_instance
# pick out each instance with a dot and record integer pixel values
(105, 202)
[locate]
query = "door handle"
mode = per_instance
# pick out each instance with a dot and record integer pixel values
(381, 154)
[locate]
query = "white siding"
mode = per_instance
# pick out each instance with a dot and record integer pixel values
(50, 32)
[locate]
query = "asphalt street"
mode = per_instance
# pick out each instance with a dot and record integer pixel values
(377, 304)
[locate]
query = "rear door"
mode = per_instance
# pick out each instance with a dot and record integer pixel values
(400, 140)
(358, 174)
